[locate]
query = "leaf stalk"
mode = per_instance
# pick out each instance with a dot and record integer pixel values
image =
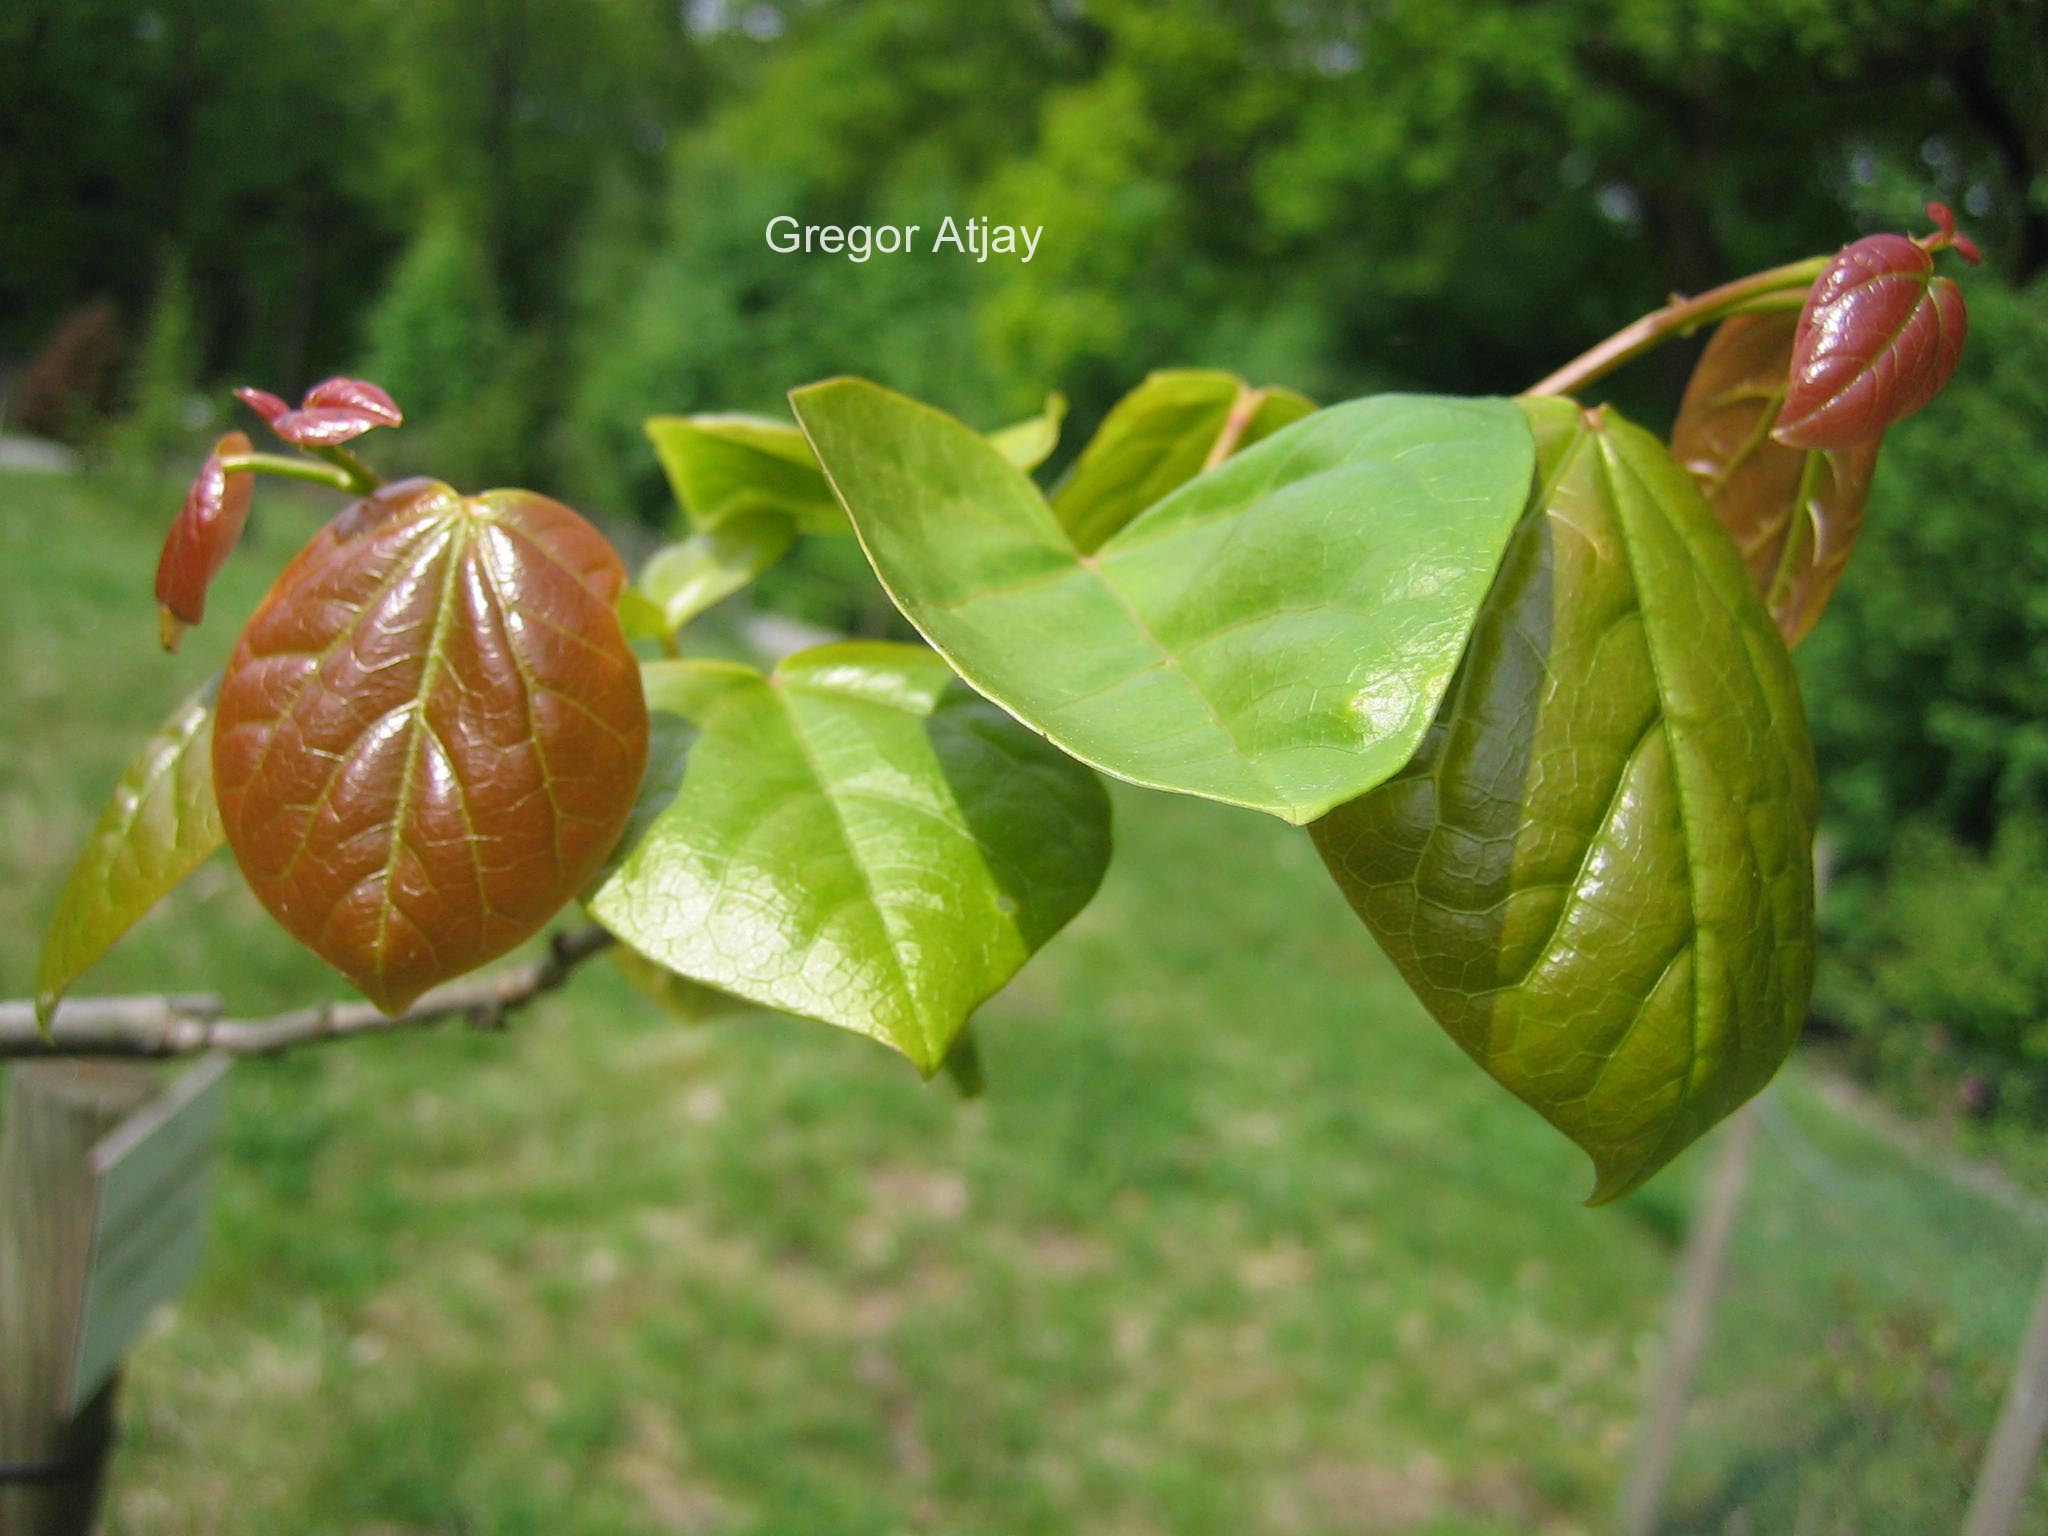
(1776, 288)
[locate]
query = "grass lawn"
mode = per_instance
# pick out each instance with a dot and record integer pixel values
(1236, 1241)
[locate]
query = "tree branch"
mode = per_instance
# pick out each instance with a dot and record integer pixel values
(167, 1025)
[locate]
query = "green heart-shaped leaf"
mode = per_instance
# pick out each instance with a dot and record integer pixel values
(855, 838)
(1160, 436)
(160, 824)
(1275, 634)
(731, 465)
(1597, 871)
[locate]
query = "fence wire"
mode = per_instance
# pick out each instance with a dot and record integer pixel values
(1875, 1295)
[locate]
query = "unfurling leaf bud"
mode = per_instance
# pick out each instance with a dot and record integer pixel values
(1879, 336)
(333, 412)
(1945, 236)
(201, 539)
(263, 403)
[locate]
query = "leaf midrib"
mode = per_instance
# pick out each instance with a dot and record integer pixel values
(452, 552)
(779, 689)
(1610, 465)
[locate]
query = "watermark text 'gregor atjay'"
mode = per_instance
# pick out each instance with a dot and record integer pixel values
(977, 236)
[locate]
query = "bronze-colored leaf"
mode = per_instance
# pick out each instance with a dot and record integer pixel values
(202, 537)
(1878, 337)
(431, 732)
(333, 412)
(1793, 512)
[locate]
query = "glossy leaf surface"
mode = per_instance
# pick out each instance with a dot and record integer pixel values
(1156, 439)
(430, 734)
(1793, 512)
(1275, 634)
(202, 536)
(332, 412)
(1596, 873)
(858, 839)
(1878, 337)
(726, 466)
(158, 826)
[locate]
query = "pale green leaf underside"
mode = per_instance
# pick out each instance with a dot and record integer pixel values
(731, 465)
(687, 1001)
(1597, 870)
(641, 617)
(1030, 442)
(1275, 634)
(160, 824)
(699, 572)
(1155, 440)
(724, 466)
(857, 839)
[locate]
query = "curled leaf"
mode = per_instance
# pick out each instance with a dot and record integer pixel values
(158, 826)
(263, 403)
(201, 538)
(367, 400)
(431, 732)
(1030, 442)
(1878, 337)
(701, 571)
(1947, 237)
(856, 838)
(1597, 870)
(332, 412)
(1793, 512)
(725, 466)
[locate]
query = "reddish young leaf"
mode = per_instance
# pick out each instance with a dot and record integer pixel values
(358, 395)
(431, 732)
(1878, 337)
(1793, 512)
(263, 403)
(333, 412)
(1946, 236)
(201, 538)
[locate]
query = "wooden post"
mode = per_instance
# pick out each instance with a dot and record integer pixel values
(56, 1111)
(1700, 1268)
(2015, 1447)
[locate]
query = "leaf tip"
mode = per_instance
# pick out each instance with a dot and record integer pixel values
(1612, 1180)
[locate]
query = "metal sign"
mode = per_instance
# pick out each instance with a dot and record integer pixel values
(152, 1176)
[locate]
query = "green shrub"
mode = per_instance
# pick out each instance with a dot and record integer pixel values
(1939, 971)
(439, 339)
(165, 413)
